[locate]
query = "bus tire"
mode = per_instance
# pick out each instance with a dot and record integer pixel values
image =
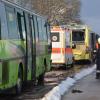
(41, 79)
(19, 82)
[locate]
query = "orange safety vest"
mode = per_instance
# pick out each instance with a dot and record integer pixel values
(97, 46)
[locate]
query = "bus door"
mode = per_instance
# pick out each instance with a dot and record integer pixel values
(25, 31)
(33, 44)
(22, 34)
(30, 48)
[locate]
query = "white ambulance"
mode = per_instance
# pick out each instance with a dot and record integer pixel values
(62, 54)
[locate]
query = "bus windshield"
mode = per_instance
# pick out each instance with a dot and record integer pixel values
(78, 36)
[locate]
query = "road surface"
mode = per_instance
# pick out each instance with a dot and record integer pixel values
(87, 88)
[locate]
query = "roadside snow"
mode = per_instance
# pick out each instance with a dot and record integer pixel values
(58, 91)
(84, 72)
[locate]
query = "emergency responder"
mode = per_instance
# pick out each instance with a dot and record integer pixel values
(98, 60)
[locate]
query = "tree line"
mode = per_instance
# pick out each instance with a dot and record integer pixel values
(57, 11)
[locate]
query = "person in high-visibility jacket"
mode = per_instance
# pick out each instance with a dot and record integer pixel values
(96, 45)
(98, 60)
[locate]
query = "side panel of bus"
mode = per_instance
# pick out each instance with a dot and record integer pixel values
(11, 48)
(19, 46)
(42, 54)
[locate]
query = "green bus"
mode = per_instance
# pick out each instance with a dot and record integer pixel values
(25, 47)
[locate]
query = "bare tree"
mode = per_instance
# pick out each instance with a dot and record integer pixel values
(57, 11)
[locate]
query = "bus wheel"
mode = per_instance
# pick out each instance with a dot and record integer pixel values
(19, 82)
(41, 79)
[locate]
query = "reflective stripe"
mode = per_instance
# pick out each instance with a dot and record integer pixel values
(64, 50)
(56, 50)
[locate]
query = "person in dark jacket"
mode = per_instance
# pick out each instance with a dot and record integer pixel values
(98, 60)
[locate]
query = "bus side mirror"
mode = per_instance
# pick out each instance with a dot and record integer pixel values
(73, 46)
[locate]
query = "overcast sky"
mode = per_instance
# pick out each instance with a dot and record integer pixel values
(90, 14)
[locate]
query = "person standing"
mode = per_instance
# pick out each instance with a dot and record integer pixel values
(98, 60)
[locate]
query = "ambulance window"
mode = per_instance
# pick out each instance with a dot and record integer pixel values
(55, 37)
(78, 36)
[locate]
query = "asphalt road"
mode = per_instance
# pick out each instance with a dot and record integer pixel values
(52, 79)
(87, 88)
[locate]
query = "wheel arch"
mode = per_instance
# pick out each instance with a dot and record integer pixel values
(22, 69)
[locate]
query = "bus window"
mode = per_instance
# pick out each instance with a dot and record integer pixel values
(40, 28)
(3, 23)
(48, 33)
(78, 36)
(11, 20)
(28, 27)
(20, 25)
(33, 28)
(23, 28)
(44, 30)
(36, 29)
